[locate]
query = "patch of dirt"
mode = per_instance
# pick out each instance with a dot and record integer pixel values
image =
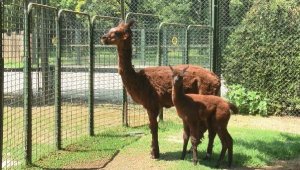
(283, 124)
(286, 165)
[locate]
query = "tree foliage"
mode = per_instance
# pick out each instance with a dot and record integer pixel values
(263, 54)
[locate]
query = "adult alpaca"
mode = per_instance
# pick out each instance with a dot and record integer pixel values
(152, 87)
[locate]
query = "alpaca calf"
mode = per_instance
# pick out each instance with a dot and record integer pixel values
(200, 111)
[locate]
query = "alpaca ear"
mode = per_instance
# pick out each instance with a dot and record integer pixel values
(130, 23)
(171, 68)
(184, 70)
(121, 22)
(126, 35)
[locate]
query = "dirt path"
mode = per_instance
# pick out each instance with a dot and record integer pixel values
(131, 158)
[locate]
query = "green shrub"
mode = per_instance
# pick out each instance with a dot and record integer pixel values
(263, 54)
(248, 102)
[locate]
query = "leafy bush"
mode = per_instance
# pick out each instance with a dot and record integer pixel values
(263, 54)
(247, 101)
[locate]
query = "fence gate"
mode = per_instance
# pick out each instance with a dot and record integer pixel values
(108, 87)
(172, 44)
(199, 45)
(42, 47)
(75, 76)
(13, 53)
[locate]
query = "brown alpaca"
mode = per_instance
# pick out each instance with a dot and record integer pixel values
(152, 87)
(196, 110)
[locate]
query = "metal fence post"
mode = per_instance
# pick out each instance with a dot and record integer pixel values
(2, 82)
(27, 89)
(216, 29)
(187, 45)
(91, 79)
(123, 9)
(143, 44)
(159, 63)
(58, 134)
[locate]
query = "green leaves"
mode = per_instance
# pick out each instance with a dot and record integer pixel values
(248, 102)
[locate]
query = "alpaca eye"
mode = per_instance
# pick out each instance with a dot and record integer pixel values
(118, 34)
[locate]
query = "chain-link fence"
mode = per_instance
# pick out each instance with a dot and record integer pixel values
(259, 54)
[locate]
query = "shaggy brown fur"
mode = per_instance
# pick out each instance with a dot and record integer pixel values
(196, 109)
(151, 87)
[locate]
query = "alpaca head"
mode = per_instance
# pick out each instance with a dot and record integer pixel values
(177, 76)
(118, 34)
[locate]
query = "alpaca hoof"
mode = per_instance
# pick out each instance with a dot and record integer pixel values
(154, 155)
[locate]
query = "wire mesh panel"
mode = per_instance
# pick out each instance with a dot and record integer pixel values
(175, 11)
(144, 47)
(108, 87)
(1, 80)
(75, 53)
(145, 39)
(199, 45)
(172, 44)
(43, 55)
(13, 53)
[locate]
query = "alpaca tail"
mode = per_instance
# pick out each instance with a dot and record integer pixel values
(233, 108)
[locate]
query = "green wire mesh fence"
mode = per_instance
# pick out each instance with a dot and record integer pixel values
(42, 29)
(108, 87)
(199, 46)
(75, 59)
(13, 53)
(172, 46)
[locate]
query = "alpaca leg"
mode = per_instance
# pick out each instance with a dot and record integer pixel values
(222, 137)
(154, 131)
(186, 136)
(229, 142)
(211, 138)
(195, 141)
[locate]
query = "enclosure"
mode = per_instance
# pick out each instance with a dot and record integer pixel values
(59, 83)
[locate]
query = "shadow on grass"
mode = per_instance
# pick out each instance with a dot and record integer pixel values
(254, 152)
(101, 146)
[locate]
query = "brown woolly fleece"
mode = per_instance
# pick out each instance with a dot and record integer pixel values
(198, 111)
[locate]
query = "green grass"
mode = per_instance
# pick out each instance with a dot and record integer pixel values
(102, 146)
(252, 148)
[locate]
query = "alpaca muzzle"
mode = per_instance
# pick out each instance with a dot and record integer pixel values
(104, 39)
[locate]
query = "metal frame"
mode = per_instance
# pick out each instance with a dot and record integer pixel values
(210, 43)
(1, 80)
(159, 53)
(58, 103)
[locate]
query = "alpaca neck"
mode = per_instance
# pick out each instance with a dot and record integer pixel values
(177, 94)
(125, 57)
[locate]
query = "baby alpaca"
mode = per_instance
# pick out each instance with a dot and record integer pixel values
(194, 110)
